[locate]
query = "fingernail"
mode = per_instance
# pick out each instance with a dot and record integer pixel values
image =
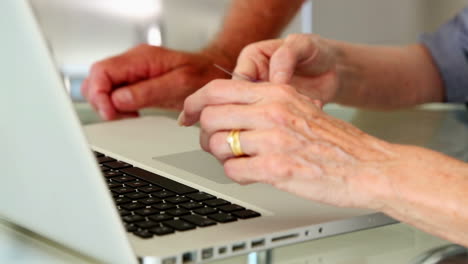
(280, 77)
(124, 96)
(181, 119)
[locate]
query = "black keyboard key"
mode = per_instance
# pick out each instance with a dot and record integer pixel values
(231, 208)
(121, 200)
(178, 199)
(104, 169)
(222, 217)
(114, 185)
(163, 194)
(150, 189)
(244, 214)
(216, 202)
(123, 190)
(161, 181)
(132, 206)
(146, 224)
(143, 234)
(178, 212)
(111, 174)
(161, 230)
(133, 218)
(130, 228)
(150, 200)
(123, 178)
(123, 212)
(160, 217)
(198, 220)
(179, 225)
(191, 205)
(200, 196)
(205, 211)
(147, 211)
(164, 206)
(98, 154)
(136, 195)
(117, 165)
(136, 184)
(104, 159)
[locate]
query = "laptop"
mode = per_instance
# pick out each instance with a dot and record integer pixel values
(130, 191)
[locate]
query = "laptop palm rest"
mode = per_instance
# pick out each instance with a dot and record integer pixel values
(197, 162)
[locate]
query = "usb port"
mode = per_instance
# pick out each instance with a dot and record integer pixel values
(258, 243)
(238, 247)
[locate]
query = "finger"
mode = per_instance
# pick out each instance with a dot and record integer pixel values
(204, 140)
(254, 59)
(242, 117)
(99, 87)
(252, 143)
(146, 93)
(305, 54)
(220, 92)
(246, 170)
(104, 106)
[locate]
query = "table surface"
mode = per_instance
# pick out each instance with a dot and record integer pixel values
(440, 127)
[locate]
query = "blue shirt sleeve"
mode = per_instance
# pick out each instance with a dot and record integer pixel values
(449, 49)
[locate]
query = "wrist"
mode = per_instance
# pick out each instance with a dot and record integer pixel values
(221, 56)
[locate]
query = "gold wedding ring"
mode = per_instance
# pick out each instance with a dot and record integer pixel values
(233, 140)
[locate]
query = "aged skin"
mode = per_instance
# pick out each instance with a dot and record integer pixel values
(293, 145)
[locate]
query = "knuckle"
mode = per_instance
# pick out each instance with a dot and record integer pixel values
(284, 90)
(214, 143)
(279, 139)
(250, 49)
(278, 113)
(207, 118)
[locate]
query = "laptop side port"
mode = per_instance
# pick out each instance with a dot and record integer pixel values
(238, 247)
(222, 250)
(207, 253)
(189, 257)
(257, 243)
(285, 237)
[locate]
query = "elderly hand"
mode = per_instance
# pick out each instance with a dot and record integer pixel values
(308, 62)
(148, 76)
(290, 143)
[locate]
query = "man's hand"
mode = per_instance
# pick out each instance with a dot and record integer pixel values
(148, 76)
(307, 62)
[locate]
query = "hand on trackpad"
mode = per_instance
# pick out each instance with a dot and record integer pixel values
(197, 162)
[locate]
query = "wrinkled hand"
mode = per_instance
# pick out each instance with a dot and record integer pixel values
(289, 143)
(148, 76)
(307, 62)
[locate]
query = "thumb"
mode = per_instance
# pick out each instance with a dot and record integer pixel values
(301, 54)
(145, 93)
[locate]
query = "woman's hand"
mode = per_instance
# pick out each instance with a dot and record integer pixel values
(307, 62)
(290, 143)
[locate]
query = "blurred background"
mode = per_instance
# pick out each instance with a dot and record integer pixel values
(82, 32)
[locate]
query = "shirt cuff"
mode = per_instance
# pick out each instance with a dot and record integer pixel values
(446, 48)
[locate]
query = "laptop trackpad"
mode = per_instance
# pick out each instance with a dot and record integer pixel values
(197, 162)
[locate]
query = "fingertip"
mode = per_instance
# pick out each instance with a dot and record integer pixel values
(181, 119)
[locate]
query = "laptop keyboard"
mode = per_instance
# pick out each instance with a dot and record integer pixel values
(152, 205)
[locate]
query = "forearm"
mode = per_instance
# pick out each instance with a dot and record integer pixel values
(379, 77)
(431, 193)
(249, 21)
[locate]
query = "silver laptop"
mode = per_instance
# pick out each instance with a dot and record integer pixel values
(147, 193)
